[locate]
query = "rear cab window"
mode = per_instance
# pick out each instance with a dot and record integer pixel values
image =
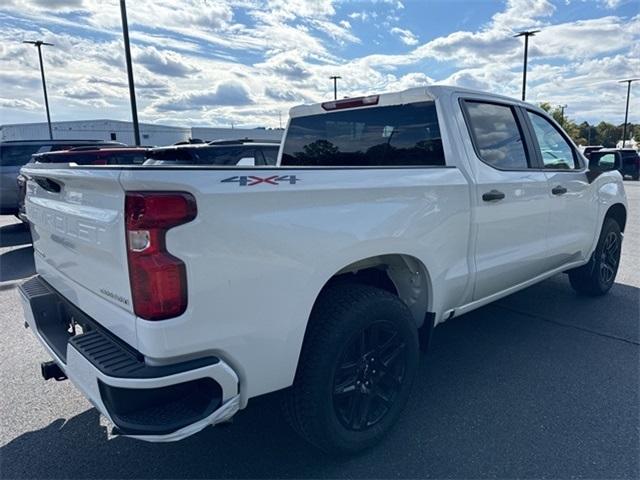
(394, 136)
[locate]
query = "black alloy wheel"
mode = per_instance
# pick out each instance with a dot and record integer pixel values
(369, 375)
(609, 258)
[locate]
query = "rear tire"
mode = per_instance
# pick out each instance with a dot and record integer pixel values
(597, 277)
(356, 369)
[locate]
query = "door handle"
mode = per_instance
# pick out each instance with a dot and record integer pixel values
(558, 190)
(492, 196)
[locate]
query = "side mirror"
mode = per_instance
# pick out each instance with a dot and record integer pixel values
(246, 162)
(602, 162)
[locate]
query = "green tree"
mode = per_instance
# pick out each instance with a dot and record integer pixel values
(608, 134)
(605, 133)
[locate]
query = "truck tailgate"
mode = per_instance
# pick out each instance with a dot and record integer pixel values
(77, 223)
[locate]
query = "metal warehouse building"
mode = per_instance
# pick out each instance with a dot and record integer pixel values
(150, 134)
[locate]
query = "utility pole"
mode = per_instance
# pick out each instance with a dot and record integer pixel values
(626, 111)
(526, 34)
(132, 91)
(39, 43)
(280, 118)
(335, 85)
(562, 107)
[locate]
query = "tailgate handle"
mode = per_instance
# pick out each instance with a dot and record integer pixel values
(48, 184)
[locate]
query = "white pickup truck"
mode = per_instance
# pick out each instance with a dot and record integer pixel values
(171, 296)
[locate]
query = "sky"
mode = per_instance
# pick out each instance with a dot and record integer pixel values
(247, 62)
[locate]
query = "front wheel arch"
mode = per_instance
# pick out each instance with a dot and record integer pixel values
(617, 212)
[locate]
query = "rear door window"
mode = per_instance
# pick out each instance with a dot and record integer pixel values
(398, 135)
(496, 135)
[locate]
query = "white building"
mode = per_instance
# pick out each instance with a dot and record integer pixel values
(150, 134)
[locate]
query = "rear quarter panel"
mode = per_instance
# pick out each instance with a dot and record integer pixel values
(258, 255)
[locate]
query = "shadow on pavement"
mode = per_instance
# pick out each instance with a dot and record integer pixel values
(16, 264)
(14, 234)
(501, 394)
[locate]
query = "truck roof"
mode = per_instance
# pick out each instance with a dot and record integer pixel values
(416, 94)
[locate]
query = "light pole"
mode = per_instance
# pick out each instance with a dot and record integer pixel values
(335, 85)
(562, 107)
(626, 111)
(526, 34)
(39, 44)
(132, 91)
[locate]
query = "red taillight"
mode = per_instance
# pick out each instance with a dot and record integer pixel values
(351, 102)
(158, 279)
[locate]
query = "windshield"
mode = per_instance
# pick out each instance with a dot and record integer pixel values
(398, 135)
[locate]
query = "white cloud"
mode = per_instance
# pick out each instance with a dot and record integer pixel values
(230, 93)
(25, 104)
(406, 36)
(187, 69)
(165, 62)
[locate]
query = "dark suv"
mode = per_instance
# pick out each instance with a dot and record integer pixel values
(244, 152)
(626, 160)
(14, 154)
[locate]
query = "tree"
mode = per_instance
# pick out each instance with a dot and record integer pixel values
(608, 134)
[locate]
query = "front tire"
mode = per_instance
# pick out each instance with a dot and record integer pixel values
(596, 277)
(356, 369)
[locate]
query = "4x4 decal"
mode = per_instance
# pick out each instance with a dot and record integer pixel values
(250, 180)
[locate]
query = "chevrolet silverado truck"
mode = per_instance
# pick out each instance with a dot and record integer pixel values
(173, 295)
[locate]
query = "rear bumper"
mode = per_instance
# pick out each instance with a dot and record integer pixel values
(153, 403)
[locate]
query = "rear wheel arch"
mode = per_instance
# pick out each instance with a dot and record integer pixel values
(403, 275)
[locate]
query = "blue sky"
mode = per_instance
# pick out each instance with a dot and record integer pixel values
(214, 62)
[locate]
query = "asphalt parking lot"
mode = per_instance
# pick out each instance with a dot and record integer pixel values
(542, 384)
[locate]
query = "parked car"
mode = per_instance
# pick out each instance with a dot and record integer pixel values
(626, 160)
(586, 151)
(173, 296)
(14, 154)
(243, 152)
(86, 155)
